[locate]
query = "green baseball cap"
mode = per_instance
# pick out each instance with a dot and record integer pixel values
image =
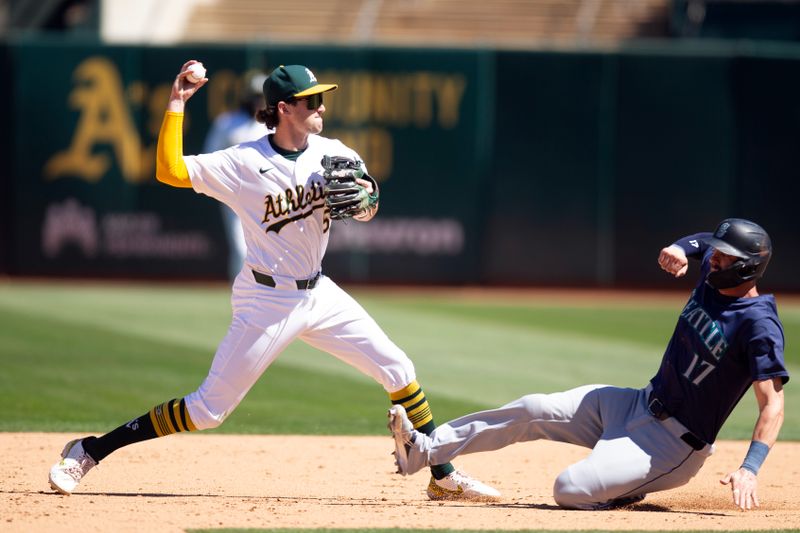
(292, 81)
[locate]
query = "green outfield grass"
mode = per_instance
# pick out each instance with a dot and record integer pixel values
(84, 357)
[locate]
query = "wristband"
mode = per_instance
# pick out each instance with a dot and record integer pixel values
(755, 456)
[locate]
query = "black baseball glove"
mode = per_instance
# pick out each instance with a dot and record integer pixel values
(344, 196)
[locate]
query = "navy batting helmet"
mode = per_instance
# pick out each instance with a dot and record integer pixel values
(743, 239)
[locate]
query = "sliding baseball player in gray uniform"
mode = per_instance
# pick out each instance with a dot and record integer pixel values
(728, 337)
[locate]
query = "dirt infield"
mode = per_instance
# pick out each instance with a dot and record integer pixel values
(210, 481)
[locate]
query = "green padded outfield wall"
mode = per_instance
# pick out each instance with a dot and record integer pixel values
(543, 218)
(674, 153)
(6, 170)
(619, 154)
(767, 180)
(500, 167)
(87, 203)
(601, 159)
(86, 199)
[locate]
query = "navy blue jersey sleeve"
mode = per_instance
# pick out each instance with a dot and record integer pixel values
(694, 245)
(766, 351)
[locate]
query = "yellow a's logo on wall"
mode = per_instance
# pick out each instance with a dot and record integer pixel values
(105, 119)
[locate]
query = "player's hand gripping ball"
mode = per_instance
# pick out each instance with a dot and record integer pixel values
(196, 72)
(344, 196)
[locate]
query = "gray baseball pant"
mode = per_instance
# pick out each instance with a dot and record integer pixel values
(633, 453)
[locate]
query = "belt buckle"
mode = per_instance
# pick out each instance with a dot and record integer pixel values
(656, 408)
(308, 284)
(263, 279)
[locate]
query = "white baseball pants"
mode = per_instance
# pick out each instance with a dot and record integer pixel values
(266, 320)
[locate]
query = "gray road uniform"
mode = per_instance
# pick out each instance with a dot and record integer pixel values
(642, 440)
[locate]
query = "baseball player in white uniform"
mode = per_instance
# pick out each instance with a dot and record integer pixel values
(277, 187)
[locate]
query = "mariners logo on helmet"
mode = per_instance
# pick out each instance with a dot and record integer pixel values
(743, 239)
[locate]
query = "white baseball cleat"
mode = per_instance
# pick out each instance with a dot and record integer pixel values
(75, 463)
(402, 430)
(459, 486)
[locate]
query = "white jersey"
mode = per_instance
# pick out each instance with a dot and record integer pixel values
(280, 202)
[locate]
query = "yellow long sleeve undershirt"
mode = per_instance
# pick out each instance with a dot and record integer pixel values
(170, 168)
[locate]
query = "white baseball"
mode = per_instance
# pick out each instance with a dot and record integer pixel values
(196, 72)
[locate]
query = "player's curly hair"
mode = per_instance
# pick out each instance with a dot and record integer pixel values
(268, 116)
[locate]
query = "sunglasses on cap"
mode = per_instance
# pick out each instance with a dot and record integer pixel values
(313, 101)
